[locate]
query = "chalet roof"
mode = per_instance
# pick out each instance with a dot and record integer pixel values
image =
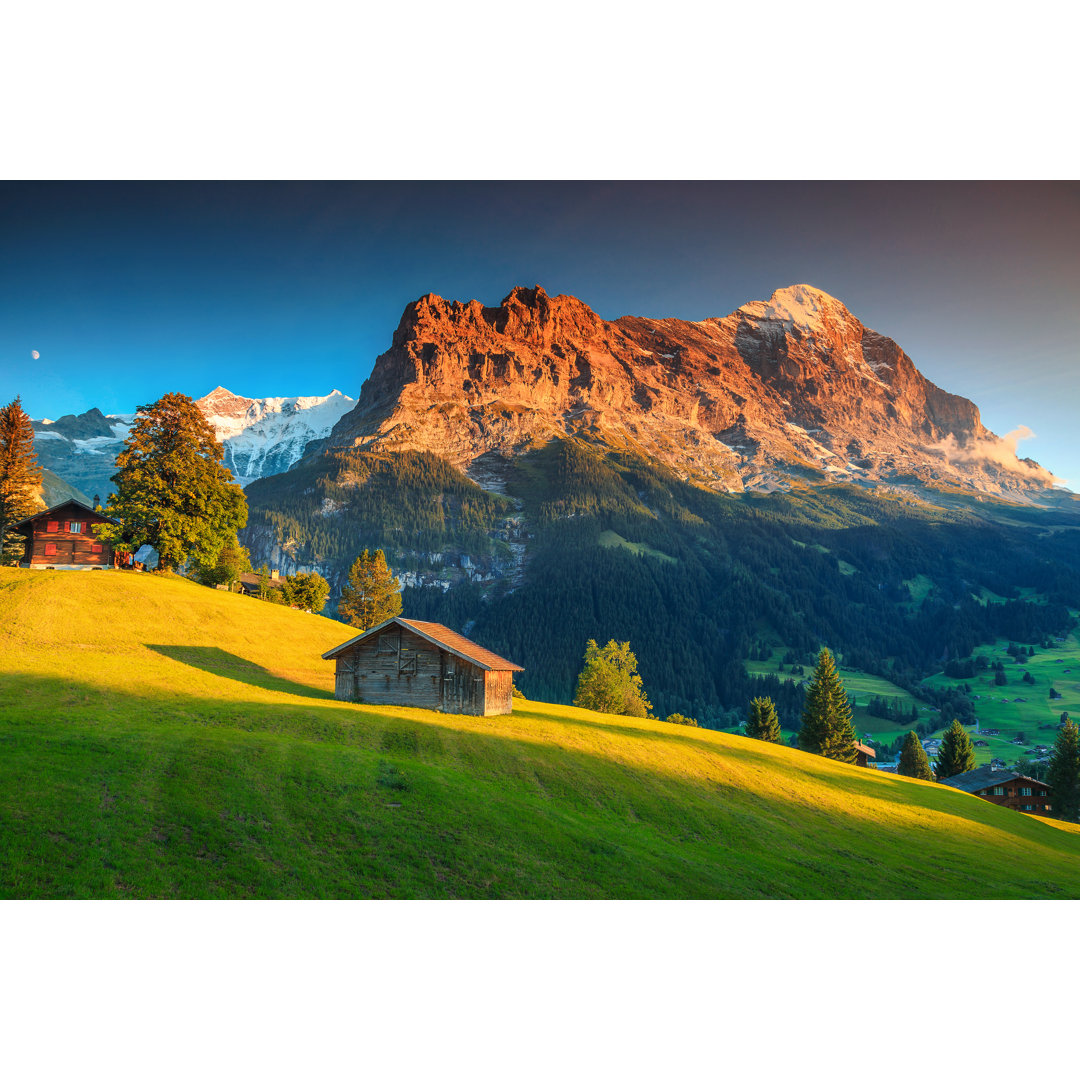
(869, 751)
(444, 638)
(979, 779)
(247, 578)
(60, 506)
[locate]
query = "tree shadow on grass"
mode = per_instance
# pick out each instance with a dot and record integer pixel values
(230, 666)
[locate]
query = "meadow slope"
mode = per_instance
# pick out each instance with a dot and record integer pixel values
(160, 739)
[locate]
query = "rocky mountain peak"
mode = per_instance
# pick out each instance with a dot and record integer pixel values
(791, 387)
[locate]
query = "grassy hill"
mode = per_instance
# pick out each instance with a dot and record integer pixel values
(159, 739)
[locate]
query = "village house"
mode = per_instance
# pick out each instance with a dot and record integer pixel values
(863, 754)
(1011, 789)
(250, 583)
(425, 664)
(62, 538)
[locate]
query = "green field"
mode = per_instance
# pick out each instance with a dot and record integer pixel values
(610, 539)
(159, 739)
(1037, 716)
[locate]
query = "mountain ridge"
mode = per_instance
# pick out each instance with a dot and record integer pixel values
(792, 388)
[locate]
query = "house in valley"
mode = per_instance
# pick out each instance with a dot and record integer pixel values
(425, 664)
(1011, 789)
(864, 754)
(62, 538)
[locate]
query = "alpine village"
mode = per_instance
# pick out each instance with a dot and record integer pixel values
(556, 607)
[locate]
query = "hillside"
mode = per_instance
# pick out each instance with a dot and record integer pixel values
(162, 739)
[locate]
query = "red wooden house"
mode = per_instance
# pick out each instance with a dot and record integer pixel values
(1011, 789)
(62, 538)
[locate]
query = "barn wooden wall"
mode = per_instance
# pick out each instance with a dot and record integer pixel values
(397, 667)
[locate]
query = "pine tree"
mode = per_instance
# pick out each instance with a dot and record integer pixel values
(372, 594)
(913, 759)
(762, 721)
(827, 728)
(173, 492)
(20, 477)
(956, 754)
(1063, 774)
(609, 682)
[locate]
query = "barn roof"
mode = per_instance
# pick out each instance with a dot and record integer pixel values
(444, 638)
(869, 751)
(60, 506)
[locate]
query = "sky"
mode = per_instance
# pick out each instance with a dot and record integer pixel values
(128, 291)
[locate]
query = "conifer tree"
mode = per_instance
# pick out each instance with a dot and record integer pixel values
(1063, 774)
(173, 492)
(762, 721)
(956, 754)
(827, 728)
(609, 682)
(913, 759)
(20, 477)
(372, 594)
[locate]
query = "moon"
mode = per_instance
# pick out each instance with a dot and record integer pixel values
(35, 354)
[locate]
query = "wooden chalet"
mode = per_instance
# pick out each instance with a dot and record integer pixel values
(250, 583)
(1011, 789)
(62, 538)
(864, 755)
(425, 664)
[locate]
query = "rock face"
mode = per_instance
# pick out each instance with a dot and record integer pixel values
(792, 387)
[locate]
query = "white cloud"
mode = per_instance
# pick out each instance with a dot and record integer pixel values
(1000, 451)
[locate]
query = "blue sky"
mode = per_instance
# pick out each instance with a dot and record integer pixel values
(129, 291)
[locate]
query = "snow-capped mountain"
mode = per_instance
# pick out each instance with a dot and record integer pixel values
(264, 436)
(260, 436)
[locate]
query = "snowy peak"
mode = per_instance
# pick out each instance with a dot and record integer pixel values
(803, 306)
(263, 436)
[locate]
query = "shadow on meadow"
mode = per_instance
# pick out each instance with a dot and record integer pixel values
(109, 793)
(228, 665)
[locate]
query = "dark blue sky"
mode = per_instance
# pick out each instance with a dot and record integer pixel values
(129, 291)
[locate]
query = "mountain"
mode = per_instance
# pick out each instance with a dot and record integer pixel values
(782, 477)
(795, 387)
(264, 436)
(166, 740)
(260, 436)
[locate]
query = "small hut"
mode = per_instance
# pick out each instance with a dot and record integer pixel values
(424, 664)
(62, 538)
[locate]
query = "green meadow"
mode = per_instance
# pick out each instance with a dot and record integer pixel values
(160, 739)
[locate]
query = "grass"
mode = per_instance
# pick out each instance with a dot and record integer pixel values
(609, 538)
(159, 739)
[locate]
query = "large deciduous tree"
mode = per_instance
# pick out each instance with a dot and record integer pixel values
(762, 721)
(609, 682)
(913, 759)
(20, 477)
(827, 728)
(173, 492)
(372, 594)
(956, 754)
(1063, 775)
(306, 591)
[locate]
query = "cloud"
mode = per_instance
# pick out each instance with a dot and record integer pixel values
(1000, 451)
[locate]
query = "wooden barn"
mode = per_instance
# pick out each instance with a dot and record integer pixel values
(62, 538)
(425, 664)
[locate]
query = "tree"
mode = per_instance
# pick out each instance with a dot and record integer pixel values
(609, 682)
(762, 721)
(372, 594)
(173, 492)
(306, 591)
(20, 477)
(827, 728)
(956, 754)
(1063, 774)
(232, 561)
(913, 759)
(999, 677)
(678, 718)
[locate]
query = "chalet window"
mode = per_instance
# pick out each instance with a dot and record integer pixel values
(1028, 806)
(50, 549)
(999, 791)
(1025, 791)
(96, 549)
(52, 526)
(75, 526)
